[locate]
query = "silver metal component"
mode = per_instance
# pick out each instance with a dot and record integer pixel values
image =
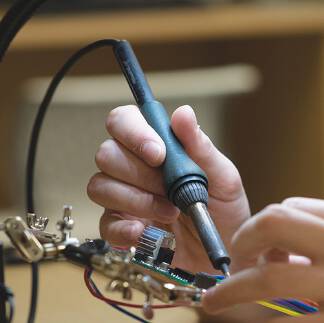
(151, 240)
(149, 260)
(54, 250)
(116, 285)
(185, 295)
(164, 266)
(130, 254)
(66, 224)
(208, 235)
(147, 307)
(23, 239)
(127, 291)
(36, 222)
(67, 212)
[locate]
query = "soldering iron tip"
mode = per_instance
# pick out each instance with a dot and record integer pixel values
(225, 270)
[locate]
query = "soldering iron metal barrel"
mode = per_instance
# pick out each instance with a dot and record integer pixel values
(208, 234)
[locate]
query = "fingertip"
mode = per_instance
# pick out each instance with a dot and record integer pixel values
(128, 126)
(184, 117)
(132, 231)
(208, 301)
(118, 231)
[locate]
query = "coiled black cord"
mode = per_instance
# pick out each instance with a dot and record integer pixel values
(32, 150)
(20, 12)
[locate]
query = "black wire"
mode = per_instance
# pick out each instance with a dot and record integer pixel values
(7, 297)
(32, 150)
(12, 22)
(3, 288)
(34, 292)
(11, 302)
(43, 109)
(20, 12)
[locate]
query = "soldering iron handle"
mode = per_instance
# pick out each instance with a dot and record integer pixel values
(178, 168)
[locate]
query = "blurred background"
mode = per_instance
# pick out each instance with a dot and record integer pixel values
(252, 70)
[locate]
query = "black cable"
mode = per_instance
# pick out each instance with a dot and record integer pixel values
(20, 12)
(43, 109)
(34, 292)
(3, 296)
(11, 302)
(13, 21)
(32, 150)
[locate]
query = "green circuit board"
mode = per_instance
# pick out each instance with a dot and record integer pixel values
(165, 272)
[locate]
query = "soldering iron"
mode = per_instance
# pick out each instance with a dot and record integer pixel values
(185, 182)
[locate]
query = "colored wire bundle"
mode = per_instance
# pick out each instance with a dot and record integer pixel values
(291, 307)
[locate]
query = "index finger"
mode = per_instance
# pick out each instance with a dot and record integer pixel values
(266, 282)
(127, 125)
(279, 227)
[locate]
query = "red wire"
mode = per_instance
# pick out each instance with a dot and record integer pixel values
(111, 301)
(310, 302)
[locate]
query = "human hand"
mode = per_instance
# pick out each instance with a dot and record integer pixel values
(263, 246)
(130, 185)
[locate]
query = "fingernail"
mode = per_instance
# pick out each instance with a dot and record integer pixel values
(151, 151)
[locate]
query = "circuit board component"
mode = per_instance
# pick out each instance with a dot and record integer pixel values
(156, 247)
(155, 252)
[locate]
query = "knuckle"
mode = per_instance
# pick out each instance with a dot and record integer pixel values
(292, 201)
(92, 187)
(272, 216)
(102, 226)
(233, 184)
(105, 150)
(113, 117)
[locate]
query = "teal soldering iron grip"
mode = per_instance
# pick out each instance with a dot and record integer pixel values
(178, 168)
(186, 185)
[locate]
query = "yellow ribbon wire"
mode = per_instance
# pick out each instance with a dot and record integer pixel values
(280, 309)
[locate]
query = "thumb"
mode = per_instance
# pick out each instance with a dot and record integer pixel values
(224, 179)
